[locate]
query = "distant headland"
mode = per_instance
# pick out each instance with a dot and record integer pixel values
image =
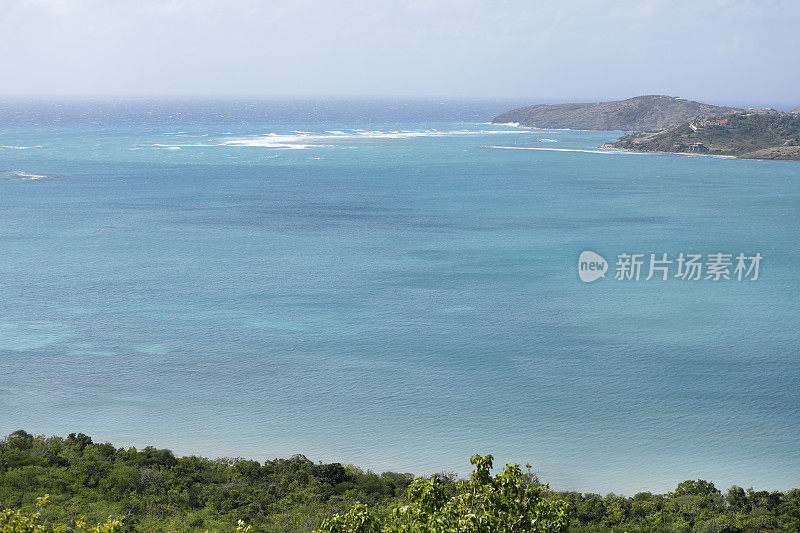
(675, 125)
(641, 113)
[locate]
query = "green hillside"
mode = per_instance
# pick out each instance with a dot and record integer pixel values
(750, 135)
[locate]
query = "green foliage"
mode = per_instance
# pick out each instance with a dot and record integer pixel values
(155, 491)
(152, 490)
(699, 487)
(507, 502)
(359, 519)
(15, 521)
(694, 506)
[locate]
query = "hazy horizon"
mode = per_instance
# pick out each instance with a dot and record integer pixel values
(728, 52)
(512, 102)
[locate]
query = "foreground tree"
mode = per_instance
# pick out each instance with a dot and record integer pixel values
(512, 501)
(15, 521)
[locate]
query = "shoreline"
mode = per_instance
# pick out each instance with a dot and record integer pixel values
(364, 467)
(685, 154)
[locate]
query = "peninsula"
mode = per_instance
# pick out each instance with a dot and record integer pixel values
(641, 113)
(765, 134)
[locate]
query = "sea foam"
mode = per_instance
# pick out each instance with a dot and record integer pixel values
(584, 150)
(19, 175)
(298, 140)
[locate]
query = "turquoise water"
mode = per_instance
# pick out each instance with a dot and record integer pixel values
(394, 292)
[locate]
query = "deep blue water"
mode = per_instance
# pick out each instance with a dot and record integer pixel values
(390, 289)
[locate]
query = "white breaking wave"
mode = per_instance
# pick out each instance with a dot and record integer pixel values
(28, 175)
(21, 175)
(168, 146)
(265, 143)
(548, 141)
(302, 140)
(610, 151)
(182, 145)
(584, 150)
(21, 147)
(335, 135)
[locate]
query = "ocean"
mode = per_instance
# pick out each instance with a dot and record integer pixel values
(394, 284)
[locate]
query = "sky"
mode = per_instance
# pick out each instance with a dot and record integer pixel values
(720, 51)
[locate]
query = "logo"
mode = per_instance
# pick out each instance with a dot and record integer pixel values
(591, 266)
(685, 266)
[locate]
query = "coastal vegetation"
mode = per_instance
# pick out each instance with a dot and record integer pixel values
(73, 484)
(510, 501)
(748, 135)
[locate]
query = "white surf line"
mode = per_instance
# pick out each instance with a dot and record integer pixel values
(304, 140)
(584, 150)
(20, 175)
(612, 151)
